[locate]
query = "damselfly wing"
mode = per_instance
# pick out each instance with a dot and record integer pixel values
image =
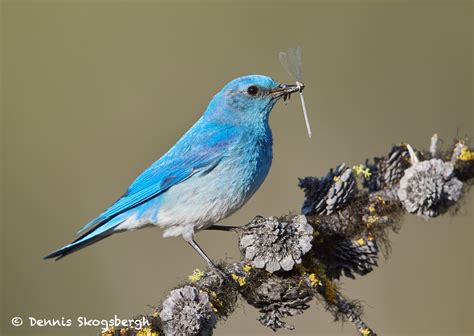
(291, 61)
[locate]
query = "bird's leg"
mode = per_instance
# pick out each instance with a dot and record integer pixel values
(196, 247)
(223, 228)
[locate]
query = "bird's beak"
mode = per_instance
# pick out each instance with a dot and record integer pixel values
(285, 90)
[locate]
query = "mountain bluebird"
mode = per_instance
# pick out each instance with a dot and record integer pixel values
(210, 173)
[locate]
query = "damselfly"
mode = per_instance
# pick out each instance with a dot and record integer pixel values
(291, 61)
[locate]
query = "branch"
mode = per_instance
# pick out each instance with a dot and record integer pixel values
(291, 260)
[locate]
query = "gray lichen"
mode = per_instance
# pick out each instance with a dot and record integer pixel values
(276, 243)
(279, 298)
(339, 223)
(352, 312)
(326, 195)
(456, 153)
(434, 146)
(429, 187)
(349, 227)
(386, 172)
(353, 256)
(186, 311)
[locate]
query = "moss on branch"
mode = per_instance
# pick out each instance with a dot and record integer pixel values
(289, 261)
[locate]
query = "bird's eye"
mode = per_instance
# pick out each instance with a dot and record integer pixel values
(252, 90)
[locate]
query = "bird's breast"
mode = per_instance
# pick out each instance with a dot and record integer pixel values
(208, 197)
(251, 163)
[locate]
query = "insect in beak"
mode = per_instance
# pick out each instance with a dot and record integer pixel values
(285, 90)
(291, 61)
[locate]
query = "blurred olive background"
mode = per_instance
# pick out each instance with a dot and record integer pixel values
(95, 91)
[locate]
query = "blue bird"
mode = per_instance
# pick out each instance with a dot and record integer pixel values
(210, 173)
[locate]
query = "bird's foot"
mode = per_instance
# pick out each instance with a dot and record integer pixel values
(212, 266)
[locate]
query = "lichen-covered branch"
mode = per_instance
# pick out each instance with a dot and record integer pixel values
(290, 260)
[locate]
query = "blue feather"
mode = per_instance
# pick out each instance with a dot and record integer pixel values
(207, 175)
(171, 170)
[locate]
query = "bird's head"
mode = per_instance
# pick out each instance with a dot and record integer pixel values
(247, 99)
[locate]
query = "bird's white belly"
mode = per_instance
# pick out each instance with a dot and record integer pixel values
(206, 197)
(202, 201)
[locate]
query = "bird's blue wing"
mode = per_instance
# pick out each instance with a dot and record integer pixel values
(199, 151)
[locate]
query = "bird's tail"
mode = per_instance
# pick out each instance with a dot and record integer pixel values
(99, 232)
